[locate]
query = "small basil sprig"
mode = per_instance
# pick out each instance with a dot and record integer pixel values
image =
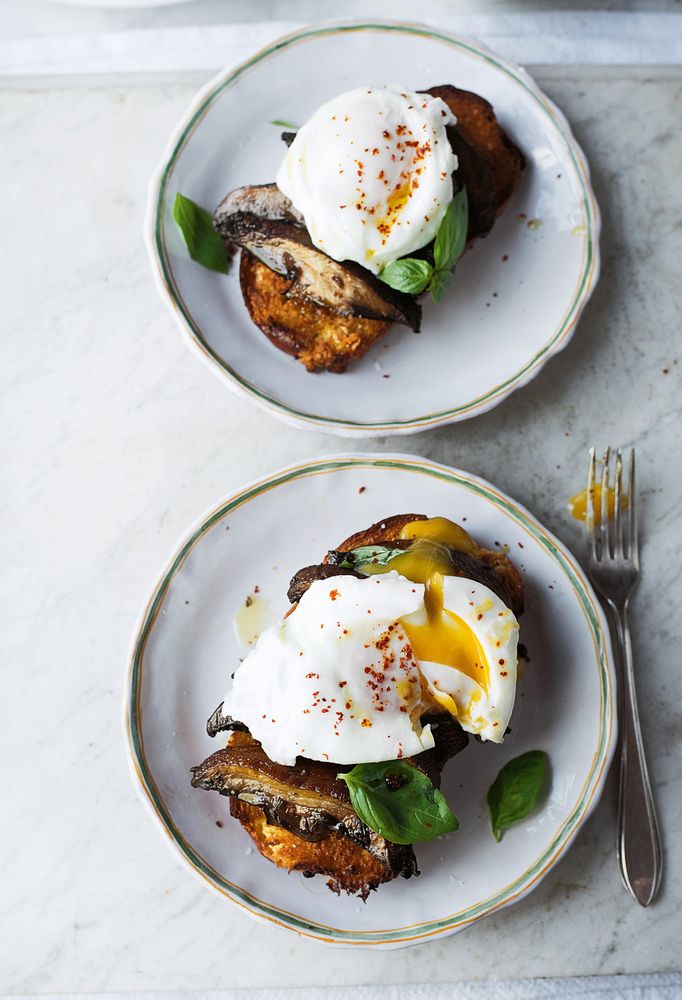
(516, 790)
(378, 554)
(201, 239)
(413, 275)
(398, 801)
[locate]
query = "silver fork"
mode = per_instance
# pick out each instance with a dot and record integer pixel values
(613, 566)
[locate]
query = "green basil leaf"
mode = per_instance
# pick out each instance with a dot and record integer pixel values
(439, 283)
(201, 239)
(517, 789)
(407, 275)
(378, 554)
(284, 124)
(451, 237)
(398, 801)
(375, 554)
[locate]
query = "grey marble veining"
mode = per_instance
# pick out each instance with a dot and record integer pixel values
(116, 438)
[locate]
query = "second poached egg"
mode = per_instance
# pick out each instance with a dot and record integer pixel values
(371, 174)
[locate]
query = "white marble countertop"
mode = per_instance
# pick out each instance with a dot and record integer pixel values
(115, 438)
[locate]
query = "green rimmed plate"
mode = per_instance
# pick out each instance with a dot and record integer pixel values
(517, 296)
(185, 649)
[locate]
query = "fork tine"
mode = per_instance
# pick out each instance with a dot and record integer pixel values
(589, 508)
(633, 541)
(604, 521)
(617, 501)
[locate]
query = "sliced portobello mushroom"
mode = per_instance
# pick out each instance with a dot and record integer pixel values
(265, 200)
(302, 580)
(308, 799)
(347, 289)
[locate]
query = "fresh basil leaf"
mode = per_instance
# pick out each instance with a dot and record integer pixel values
(375, 554)
(379, 554)
(451, 237)
(407, 275)
(398, 801)
(284, 124)
(517, 789)
(439, 283)
(201, 239)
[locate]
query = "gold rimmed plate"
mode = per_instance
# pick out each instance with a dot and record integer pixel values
(517, 295)
(185, 649)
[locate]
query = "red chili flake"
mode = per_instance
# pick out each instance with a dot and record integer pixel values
(362, 489)
(263, 716)
(315, 694)
(479, 616)
(495, 724)
(503, 673)
(345, 631)
(348, 705)
(386, 134)
(306, 711)
(333, 594)
(403, 709)
(501, 662)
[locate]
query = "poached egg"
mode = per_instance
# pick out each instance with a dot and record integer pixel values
(371, 174)
(352, 669)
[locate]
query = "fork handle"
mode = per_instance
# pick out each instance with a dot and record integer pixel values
(639, 839)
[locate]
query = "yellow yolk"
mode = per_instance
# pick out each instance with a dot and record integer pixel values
(577, 505)
(443, 637)
(440, 529)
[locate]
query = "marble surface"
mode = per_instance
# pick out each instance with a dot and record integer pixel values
(114, 438)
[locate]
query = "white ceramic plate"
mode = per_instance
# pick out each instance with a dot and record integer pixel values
(517, 295)
(185, 649)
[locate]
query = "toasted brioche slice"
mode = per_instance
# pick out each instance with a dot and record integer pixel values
(498, 157)
(319, 338)
(349, 867)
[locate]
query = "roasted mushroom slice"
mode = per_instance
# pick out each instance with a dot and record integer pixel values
(285, 808)
(307, 800)
(264, 200)
(347, 289)
(302, 580)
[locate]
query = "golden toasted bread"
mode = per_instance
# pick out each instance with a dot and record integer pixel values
(319, 338)
(478, 126)
(489, 164)
(350, 868)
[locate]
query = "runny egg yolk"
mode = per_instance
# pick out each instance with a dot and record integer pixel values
(443, 637)
(440, 529)
(577, 505)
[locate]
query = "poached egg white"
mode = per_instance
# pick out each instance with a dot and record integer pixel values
(347, 675)
(371, 174)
